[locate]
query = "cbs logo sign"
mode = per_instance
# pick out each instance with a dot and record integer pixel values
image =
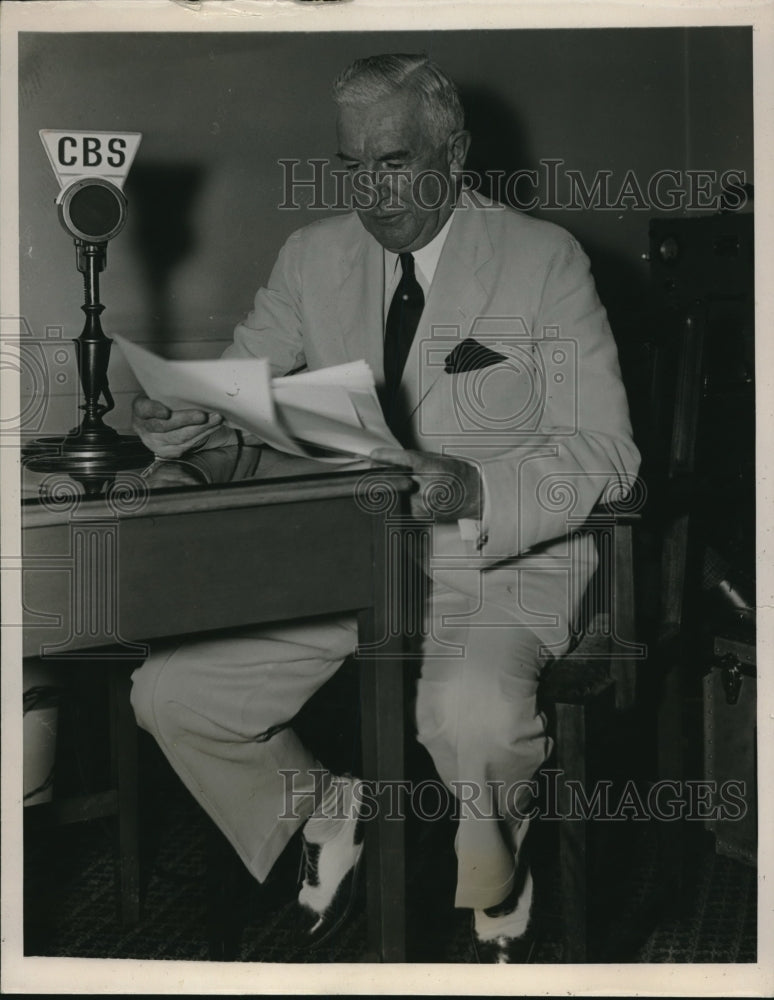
(75, 154)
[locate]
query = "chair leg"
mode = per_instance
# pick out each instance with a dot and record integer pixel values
(626, 652)
(574, 854)
(124, 750)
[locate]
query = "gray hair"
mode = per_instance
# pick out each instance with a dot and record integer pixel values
(376, 77)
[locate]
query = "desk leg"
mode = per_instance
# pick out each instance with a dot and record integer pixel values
(123, 736)
(571, 759)
(381, 695)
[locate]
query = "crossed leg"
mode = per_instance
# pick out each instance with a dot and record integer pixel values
(219, 709)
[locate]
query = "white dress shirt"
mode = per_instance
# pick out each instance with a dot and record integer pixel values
(425, 264)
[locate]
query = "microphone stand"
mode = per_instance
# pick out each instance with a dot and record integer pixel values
(92, 447)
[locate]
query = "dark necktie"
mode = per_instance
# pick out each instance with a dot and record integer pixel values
(402, 319)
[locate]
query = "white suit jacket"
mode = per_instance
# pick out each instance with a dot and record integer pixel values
(547, 423)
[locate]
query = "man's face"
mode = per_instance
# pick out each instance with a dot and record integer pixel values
(402, 178)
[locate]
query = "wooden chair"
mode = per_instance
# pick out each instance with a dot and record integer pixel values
(581, 693)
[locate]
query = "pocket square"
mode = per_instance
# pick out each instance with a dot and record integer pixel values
(469, 356)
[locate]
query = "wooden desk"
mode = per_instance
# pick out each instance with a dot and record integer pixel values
(103, 575)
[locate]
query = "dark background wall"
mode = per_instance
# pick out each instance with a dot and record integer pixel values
(217, 111)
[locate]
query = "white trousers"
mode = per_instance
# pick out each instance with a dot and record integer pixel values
(214, 706)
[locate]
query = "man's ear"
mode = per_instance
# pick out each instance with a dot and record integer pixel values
(457, 146)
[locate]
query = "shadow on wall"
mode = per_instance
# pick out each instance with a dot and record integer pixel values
(162, 200)
(499, 149)
(498, 145)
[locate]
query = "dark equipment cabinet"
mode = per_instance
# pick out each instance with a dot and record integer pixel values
(701, 462)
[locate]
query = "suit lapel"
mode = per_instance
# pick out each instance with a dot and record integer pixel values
(360, 303)
(459, 291)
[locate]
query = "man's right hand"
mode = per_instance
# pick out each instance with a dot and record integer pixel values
(171, 433)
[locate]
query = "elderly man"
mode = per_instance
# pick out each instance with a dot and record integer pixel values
(498, 372)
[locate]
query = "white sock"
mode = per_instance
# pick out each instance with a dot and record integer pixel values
(510, 925)
(335, 809)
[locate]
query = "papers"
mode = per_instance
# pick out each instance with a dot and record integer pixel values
(335, 408)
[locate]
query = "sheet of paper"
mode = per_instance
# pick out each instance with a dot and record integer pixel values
(332, 408)
(328, 400)
(325, 432)
(239, 389)
(352, 375)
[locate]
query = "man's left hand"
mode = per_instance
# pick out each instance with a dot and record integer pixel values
(448, 488)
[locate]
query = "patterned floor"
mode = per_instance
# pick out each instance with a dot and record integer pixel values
(196, 910)
(70, 903)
